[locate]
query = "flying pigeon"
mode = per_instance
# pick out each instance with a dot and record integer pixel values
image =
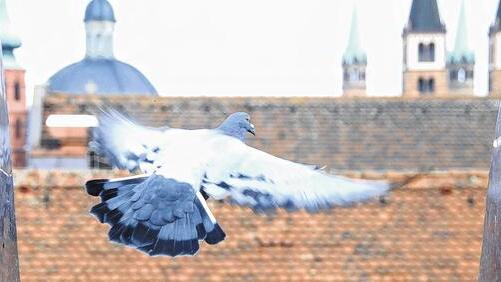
(163, 211)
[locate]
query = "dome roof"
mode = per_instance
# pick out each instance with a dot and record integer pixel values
(101, 77)
(99, 10)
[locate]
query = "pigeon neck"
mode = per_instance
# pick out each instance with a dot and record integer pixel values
(232, 131)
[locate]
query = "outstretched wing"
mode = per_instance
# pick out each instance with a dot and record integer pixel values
(253, 178)
(126, 144)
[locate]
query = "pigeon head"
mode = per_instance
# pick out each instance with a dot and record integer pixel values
(237, 125)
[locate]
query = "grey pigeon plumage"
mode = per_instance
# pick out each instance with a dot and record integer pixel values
(163, 211)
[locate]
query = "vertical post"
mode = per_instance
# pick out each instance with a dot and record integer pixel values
(9, 264)
(490, 261)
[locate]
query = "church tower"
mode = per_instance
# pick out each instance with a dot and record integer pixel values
(424, 51)
(461, 61)
(15, 89)
(354, 63)
(495, 55)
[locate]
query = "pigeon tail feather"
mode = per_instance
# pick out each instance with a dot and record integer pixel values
(134, 222)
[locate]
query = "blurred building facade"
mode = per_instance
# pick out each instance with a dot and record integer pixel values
(428, 230)
(429, 70)
(99, 73)
(425, 53)
(495, 55)
(15, 89)
(461, 61)
(354, 62)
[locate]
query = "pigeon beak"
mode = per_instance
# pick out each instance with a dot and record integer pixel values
(252, 129)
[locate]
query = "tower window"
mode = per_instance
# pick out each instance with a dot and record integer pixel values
(462, 75)
(17, 91)
(18, 129)
(469, 74)
(426, 52)
(453, 74)
(421, 85)
(354, 76)
(431, 85)
(426, 86)
(421, 51)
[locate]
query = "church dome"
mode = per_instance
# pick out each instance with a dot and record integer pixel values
(99, 10)
(100, 77)
(100, 73)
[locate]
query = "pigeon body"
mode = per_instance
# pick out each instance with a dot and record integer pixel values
(163, 211)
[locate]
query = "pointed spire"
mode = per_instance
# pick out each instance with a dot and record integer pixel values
(425, 17)
(354, 52)
(498, 14)
(461, 50)
(496, 26)
(9, 40)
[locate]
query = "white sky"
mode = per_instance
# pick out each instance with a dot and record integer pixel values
(236, 47)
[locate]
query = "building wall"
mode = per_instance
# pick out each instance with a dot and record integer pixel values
(354, 86)
(495, 64)
(412, 62)
(354, 92)
(411, 79)
(456, 86)
(496, 43)
(415, 69)
(16, 100)
(495, 83)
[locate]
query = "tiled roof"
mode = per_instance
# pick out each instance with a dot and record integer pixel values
(376, 134)
(430, 230)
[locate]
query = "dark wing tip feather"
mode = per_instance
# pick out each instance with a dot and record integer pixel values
(216, 235)
(95, 186)
(99, 211)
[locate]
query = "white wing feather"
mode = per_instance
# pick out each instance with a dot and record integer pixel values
(126, 144)
(264, 182)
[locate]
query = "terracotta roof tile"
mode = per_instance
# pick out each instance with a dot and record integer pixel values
(429, 230)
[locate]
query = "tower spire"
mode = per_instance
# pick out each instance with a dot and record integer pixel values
(9, 40)
(461, 61)
(354, 62)
(425, 17)
(461, 49)
(354, 52)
